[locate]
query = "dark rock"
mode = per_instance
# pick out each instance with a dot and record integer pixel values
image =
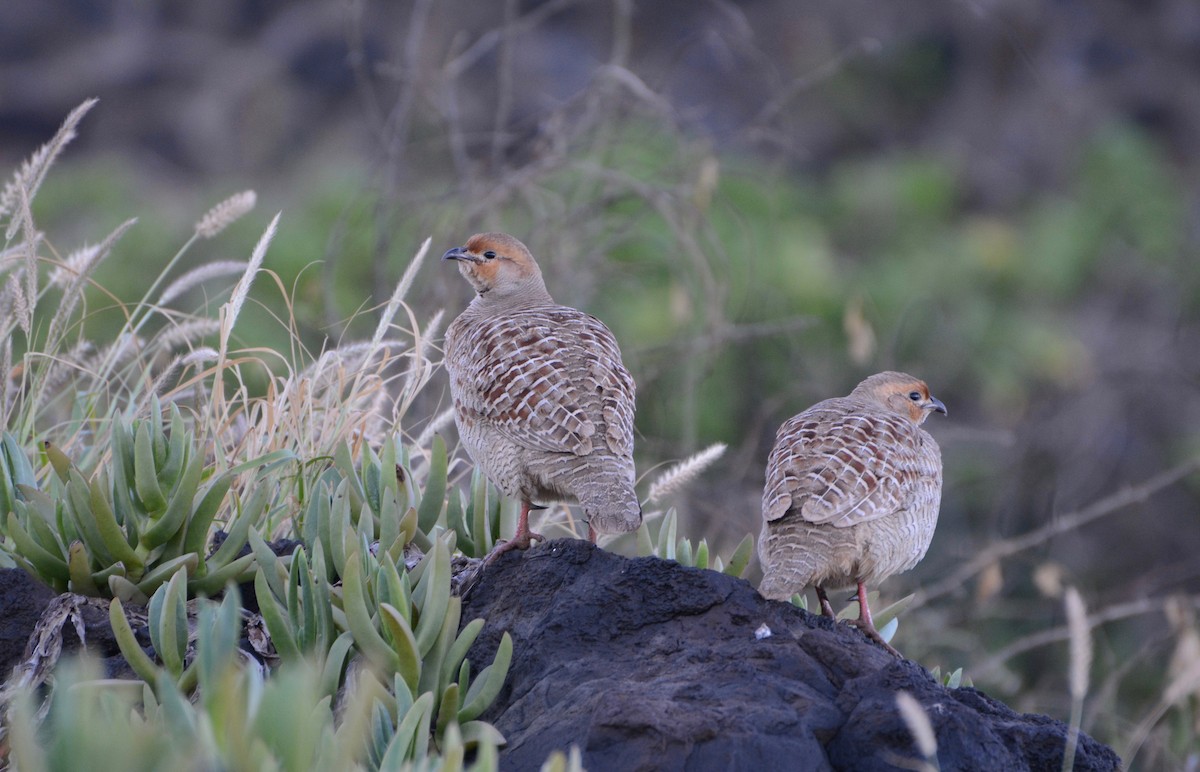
(281, 548)
(22, 601)
(645, 664)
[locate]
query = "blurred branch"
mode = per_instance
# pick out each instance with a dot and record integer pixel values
(824, 72)
(504, 91)
(1061, 633)
(492, 38)
(1105, 506)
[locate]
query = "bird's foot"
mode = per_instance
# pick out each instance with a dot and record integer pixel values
(826, 606)
(521, 541)
(870, 631)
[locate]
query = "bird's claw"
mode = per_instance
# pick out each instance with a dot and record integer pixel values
(521, 541)
(870, 631)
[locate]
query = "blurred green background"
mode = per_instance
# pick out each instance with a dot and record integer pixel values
(766, 201)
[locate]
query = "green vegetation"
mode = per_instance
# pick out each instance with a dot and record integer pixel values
(740, 293)
(151, 473)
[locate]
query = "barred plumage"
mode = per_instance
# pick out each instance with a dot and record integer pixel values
(852, 491)
(542, 400)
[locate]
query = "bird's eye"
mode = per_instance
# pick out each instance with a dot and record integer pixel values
(489, 254)
(915, 396)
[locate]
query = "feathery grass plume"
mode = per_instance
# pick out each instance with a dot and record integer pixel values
(917, 721)
(684, 472)
(29, 244)
(1081, 663)
(16, 300)
(225, 214)
(160, 381)
(29, 177)
(198, 275)
(185, 332)
(399, 292)
(231, 309)
(200, 355)
(421, 366)
(76, 264)
(73, 290)
(1081, 642)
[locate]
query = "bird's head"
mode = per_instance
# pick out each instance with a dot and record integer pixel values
(902, 394)
(499, 267)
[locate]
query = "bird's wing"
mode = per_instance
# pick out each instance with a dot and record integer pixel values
(548, 379)
(842, 466)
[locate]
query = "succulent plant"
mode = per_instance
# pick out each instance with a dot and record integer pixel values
(125, 529)
(669, 547)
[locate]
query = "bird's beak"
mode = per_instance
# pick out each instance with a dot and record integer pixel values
(458, 253)
(936, 405)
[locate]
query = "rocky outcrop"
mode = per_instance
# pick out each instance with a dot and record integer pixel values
(648, 665)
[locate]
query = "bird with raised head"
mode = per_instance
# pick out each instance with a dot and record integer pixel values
(852, 493)
(542, 400)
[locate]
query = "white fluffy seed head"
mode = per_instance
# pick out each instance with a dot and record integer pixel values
(226, 213)
(1081, 643)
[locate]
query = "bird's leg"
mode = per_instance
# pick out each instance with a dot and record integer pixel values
(591, 534)
(522, 539)
(867, 625)
(823, 599)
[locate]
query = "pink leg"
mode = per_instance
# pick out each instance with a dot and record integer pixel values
(867, 625)
(823, 599)
(522, 539)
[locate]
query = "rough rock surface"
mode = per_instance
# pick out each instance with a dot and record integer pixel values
(645, 664)
(22, 601)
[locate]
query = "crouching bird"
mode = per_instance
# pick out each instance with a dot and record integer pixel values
(852, 493)
(541, 399)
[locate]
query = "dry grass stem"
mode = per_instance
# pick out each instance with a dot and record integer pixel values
(678, 476)
(226, 213)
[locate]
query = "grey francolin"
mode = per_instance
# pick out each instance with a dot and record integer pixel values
(852, 493)
(542, 401)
